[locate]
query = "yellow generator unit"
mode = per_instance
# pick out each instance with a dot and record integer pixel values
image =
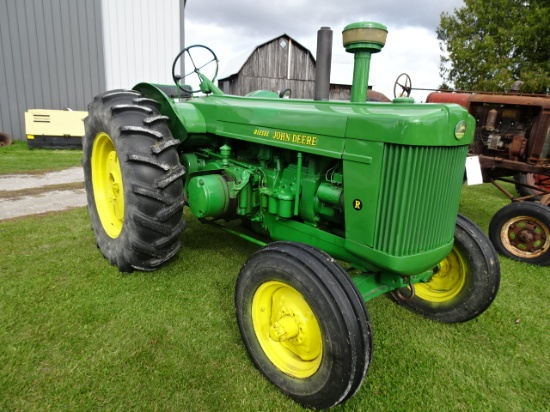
(54, 129)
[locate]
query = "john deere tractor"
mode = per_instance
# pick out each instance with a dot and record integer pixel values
(349, 200)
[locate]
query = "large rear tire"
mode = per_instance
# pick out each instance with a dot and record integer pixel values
(133, 181)
(464, 284)
(521, 231)
(304, 323)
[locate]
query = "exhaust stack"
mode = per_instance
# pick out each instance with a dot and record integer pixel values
(322, 67)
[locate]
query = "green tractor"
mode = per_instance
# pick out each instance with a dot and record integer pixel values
(357, 199)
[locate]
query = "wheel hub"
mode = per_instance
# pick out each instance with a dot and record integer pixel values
(448, 279)
(287, 329)
(284, 329)
(527, 235)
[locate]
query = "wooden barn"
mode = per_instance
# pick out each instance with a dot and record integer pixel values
(278, 64)
(340, 85)
(283, 63)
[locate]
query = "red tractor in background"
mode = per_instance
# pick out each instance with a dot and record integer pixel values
(512, 141)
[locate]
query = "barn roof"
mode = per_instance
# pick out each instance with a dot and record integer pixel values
(235, 65)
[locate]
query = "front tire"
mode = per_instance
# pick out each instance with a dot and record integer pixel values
(464, 284)
(521, 231)
(133, 181)
(304, 323)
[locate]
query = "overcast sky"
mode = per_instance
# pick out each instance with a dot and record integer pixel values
(231, 27)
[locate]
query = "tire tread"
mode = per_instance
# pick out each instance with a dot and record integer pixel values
(152, 180)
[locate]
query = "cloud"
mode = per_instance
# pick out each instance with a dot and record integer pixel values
(237, 26)
(300, 17)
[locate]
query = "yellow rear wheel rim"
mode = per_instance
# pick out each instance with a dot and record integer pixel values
(447, 282)
(107, 185)
(287, 329)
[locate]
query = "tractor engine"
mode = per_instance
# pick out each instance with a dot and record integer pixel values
(511, 127)
(503, 130)
(242, 182)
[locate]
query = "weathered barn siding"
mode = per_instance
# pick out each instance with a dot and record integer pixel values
(281, 63)
(339, 92)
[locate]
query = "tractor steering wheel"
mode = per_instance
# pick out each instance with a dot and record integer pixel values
(200, 57)
(405, 83)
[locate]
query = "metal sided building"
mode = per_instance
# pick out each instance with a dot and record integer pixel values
(58, 54)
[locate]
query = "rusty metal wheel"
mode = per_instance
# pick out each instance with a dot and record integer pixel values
(521, 231)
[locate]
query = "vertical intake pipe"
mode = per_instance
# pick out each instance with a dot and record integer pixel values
(363, 39)
(322, 67)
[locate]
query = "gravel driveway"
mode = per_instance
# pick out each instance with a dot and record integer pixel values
(27, 194)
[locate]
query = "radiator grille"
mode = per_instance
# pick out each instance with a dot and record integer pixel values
(419, 197)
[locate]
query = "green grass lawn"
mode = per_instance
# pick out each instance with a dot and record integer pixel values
(76, 335)
(18, 158)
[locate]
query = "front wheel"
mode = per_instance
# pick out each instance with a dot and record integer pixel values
(464, 284)
(304, 323)
(133, 181)
(521, 231)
